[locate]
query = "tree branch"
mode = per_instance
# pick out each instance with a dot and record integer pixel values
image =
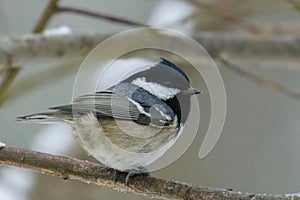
(10, 69)
(53, 8)
(49, 11)
(273, 50)
(24, 49)
(88, 172)
(257, 78)
(112, 18)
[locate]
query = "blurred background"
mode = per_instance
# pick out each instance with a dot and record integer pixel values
(258, 150)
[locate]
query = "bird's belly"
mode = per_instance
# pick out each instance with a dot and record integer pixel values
(123, 145)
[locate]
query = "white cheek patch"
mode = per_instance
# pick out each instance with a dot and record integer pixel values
(156, 89)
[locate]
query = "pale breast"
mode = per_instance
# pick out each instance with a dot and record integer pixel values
(122, 144)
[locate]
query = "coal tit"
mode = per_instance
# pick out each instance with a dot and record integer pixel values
(133, 123)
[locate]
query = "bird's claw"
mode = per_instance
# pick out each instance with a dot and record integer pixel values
(140, 171)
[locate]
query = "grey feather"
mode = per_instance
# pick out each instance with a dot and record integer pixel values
(47, 117)
(123, 101)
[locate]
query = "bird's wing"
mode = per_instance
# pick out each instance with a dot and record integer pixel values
(110, 104)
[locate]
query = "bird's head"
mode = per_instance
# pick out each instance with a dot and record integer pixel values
(168, 82)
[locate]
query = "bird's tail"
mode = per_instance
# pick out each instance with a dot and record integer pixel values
(47, 117)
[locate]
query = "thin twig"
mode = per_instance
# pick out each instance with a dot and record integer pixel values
(112, 18)
(88, 172)
(271, 84)
(49, 11)
(12, 71)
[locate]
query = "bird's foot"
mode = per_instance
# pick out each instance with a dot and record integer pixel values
(141, 171)
(115, 175)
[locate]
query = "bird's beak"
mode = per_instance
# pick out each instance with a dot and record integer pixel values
(192, 91)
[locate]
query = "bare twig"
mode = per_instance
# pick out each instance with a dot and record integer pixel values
(51, 9)
(69, 168)
(46, 16)
(12, 71)
(112, 18)
(258, 79)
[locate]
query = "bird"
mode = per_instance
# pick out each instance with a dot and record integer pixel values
(131, 124)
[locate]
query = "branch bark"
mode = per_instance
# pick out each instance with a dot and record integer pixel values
(88, 172)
